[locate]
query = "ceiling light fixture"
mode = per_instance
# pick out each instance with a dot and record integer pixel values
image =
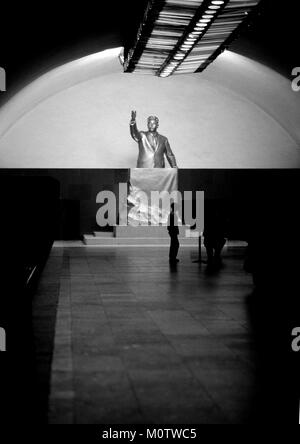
(184, 36)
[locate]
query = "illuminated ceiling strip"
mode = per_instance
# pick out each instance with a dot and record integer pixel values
(161, 16)
(178, 36)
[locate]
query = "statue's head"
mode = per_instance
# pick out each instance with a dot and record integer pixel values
(153, 123)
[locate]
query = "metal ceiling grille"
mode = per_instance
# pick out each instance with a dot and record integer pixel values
(184, 36)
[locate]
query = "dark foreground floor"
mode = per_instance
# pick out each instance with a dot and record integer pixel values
(122, 338)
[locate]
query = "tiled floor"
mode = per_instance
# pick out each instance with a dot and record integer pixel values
(138, 342)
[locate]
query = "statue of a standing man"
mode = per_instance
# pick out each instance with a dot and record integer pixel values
(152, 145)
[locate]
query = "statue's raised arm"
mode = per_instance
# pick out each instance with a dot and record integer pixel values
(135, 134)
(133, 116)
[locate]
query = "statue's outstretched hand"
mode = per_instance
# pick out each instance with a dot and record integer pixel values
(133, 116)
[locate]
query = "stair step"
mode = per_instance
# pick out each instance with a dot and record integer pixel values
(154, 231)
(104, 234)
(131, 241)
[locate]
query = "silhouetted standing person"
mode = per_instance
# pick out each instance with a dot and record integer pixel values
(173, 233)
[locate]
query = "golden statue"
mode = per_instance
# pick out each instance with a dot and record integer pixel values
(153, 147)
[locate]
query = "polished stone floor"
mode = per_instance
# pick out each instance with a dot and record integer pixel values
(133, 341)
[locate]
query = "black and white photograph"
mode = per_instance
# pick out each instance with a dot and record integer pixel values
(150, 243)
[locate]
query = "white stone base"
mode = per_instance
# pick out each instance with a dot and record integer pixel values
(141, 235)
(143, 231)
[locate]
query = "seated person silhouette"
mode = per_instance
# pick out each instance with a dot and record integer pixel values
(214, 234)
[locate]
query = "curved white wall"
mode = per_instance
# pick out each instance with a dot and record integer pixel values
(237, 114)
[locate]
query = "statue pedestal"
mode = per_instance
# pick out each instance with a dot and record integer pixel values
(144, 222)
(142, 205)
